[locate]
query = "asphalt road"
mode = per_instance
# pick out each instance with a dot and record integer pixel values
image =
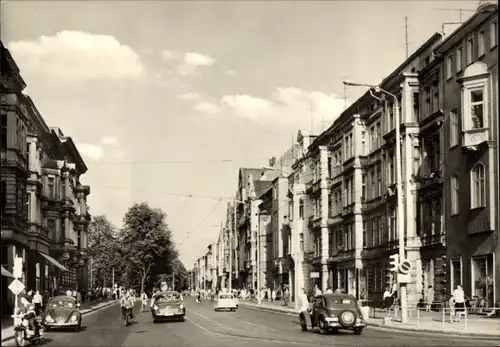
(245, 327)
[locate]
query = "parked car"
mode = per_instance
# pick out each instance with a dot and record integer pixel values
(332, 312)
(168, 305)
(226, 301)
(62, 312)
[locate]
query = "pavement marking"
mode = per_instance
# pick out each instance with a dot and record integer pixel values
(199, 326)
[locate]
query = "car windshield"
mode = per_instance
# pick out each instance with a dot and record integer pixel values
(61, 303)
(164, 298)
(332, 302)
(225, 296)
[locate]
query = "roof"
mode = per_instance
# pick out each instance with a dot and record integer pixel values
(262, 187)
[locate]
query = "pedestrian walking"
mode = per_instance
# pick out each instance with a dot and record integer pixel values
(37, 301)
(429, 299)
(459, 296)
(144, 301)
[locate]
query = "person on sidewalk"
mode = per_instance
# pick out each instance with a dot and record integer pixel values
(37, 302)
(451, 303)
(429, 298)
(144, 301)
(317, 291)
(286, 296)
(459, 296)
(329, 290)
(304, 306)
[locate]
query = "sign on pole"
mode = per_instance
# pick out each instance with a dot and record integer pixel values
(18, 267)
(404, 278)
(404, 267)
(16, 287)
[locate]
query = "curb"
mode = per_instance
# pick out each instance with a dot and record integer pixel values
(90, 310)
(475, 336)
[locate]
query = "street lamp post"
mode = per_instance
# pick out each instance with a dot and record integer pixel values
(399, 188)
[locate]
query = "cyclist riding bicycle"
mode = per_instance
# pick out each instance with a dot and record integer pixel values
(126, 306)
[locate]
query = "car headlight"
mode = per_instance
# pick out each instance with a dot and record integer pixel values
(181, 307)
(74, 318)
(155, 308)
(49, 319)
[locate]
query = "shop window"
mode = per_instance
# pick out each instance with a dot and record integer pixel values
(37, 272)
(482, 279)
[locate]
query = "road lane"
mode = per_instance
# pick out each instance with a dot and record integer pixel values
(244, 328)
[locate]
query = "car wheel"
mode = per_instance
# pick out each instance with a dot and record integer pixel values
(335, 331)
(303, 324)
(358, 331)
(216, 309)
(323, 328)
(181, 319)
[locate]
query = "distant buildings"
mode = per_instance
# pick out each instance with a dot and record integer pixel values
(333, 218)
(43, 204)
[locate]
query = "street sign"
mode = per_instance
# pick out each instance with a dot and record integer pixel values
(404, 278)
(314, 274)
(404, 267)
(16, 286)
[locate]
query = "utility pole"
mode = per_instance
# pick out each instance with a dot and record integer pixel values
(173, 280)
(113, 279)
(406, 36)
(345, 94)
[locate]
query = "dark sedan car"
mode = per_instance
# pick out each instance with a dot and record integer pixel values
(332, 312)
(62, 312)
(168, 305)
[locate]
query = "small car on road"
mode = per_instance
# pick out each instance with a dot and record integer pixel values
(62, 312)
(332, 312)
(226, 301)
(168, 305)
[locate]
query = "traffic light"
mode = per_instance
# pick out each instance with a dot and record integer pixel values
(394, 262)
(18, 267)
(444, 268)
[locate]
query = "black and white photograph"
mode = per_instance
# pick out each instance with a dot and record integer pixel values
(237, 173)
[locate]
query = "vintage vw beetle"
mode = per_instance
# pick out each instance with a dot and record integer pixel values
(62, 312)
(332, 312)
(168, 305)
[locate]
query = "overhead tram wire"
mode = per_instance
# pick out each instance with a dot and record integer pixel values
(186, 195)
(146, 162)
(188, 235)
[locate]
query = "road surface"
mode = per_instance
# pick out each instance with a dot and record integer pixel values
(245, 327)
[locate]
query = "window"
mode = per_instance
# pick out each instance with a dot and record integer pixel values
(275, 193)
(477, 108)
(456, 272)
(301, 209)
(449, 67)
(365, 226)
(427, 108)
(390, 120)
(478, 186)
(301, 242)
(51, 187)
(46, 277)
(455, 194)
(494, 34)
(363, 143)
(470, 50)
(454, 128)
(3, 131)
(379, 180)
(480, 43)
(435, 97)
(381, 231)
(363, 187)
(416, 106)
(37, 273)
(374, 231)
(373, 182)
(28, 207)
(459, 58)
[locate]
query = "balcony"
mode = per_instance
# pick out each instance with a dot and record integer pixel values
(430, 179)
(471, 139)
(309, 186)
(433, 239)
(348, 209)
(316, 186)
(314, 222)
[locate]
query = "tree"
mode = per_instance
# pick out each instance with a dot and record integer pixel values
(104, 250)
(146, 240)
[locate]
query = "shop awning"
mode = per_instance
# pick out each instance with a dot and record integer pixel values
(6, 273)
(54, 262)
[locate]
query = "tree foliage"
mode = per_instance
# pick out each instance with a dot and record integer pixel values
(146, 240)
(104, 250)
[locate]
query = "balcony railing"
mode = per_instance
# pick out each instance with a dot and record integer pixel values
(433, 239)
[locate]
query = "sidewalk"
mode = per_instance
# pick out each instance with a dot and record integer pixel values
(429, 322)
(87, 307)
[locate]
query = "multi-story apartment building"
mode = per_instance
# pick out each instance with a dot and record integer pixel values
(13, 133)
(299, 204)
(44, 209)
(349, 200)
(469, 78)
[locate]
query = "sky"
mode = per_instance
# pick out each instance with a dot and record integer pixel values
(167, 99)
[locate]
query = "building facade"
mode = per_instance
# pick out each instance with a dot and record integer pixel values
(44, 206)
(469, 77)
